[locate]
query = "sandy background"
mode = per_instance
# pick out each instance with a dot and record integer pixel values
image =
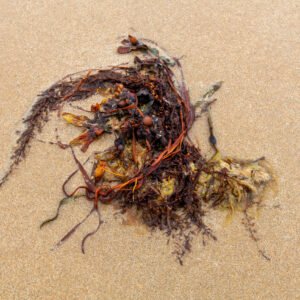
(254, 47)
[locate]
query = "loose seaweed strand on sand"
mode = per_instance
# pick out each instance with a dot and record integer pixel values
(153, 166)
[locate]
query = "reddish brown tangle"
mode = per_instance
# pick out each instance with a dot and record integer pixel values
(153, 167)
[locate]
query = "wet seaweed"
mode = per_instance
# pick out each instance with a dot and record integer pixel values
(154, 167)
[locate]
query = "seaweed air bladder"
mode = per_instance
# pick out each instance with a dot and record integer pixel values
(153, 166)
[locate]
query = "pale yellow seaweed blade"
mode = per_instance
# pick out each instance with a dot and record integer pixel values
(74, 120)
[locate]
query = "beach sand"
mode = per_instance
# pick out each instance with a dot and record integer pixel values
(253, 46)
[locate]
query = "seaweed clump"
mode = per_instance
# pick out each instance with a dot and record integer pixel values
(153, 166)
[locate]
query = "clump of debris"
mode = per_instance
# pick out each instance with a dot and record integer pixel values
(153, 166)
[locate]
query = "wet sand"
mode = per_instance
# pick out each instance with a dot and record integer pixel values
(253, 47)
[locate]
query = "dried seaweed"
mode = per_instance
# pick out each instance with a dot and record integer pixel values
(153, 167)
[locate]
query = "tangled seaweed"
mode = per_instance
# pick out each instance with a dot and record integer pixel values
(153, 167)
